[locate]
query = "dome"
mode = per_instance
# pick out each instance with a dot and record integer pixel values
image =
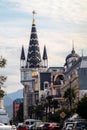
(72, 54)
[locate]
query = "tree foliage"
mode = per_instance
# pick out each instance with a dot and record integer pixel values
(2, 93)
(2, 78)
(31, 111)
(2, 62)
(82, 107)
(69, 95)
(55, 104)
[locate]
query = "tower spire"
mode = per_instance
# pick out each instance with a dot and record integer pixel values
(34, 57)
(45, 58)
(22, 54)
(33, 22)
(22, 58)
(73, 51)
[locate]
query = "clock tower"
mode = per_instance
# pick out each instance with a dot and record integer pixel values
(30, 67)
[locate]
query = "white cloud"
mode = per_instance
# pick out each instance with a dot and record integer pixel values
(56, 9)
(58, 23)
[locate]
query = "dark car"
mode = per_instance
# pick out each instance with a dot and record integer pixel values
(22, 127)
(51, 126)
(46, 126)
(80, 125)
(56, 126)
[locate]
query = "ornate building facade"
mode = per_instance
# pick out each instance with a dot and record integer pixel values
(75, 72)
(39, 80)
(30, 70)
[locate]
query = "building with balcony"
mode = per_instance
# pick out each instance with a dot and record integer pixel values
(39, 80)
(30, 68)
(75, 72)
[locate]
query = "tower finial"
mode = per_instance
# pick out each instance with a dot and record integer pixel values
(73, 51)
(82, 52)
(72, 44)
(33, 16)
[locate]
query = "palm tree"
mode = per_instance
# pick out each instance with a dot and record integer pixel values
(31, 111)
(39, 111)
(49, 101)
(46, 108)
(69, 95)
(55, 104)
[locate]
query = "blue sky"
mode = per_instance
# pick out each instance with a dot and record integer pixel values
(58, 22)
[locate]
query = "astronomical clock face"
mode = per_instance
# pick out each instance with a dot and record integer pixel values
(26, 76)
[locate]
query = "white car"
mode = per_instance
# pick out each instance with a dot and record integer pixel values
(6, 127)
(31, 123)
(68, 126)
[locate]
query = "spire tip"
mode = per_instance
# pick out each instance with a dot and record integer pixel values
(33, 12)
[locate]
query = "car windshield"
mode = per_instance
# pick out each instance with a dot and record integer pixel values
(29, 123)
(82, 124)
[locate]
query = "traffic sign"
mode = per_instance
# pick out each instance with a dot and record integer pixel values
(62, 114)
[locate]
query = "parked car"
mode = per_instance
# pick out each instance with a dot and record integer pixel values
(80, 125)
(68, 126)
(32, 123)
(36, 125)
(40, 127)
(56, 126)
(22, 127)
(14, 127)
(5, 127)
(75, 125)
(51, 126)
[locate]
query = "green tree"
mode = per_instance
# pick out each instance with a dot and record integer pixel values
(2, 62)
(55, 104)
(2, 93)
(39, 109)
(82, 107)
(46, 107)
(49, 101)
(2, 78)
(31, 111)
(69, 95)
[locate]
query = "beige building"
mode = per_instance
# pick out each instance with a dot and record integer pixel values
(39, 80)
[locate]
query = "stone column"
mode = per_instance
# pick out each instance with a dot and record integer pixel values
(1, 103)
